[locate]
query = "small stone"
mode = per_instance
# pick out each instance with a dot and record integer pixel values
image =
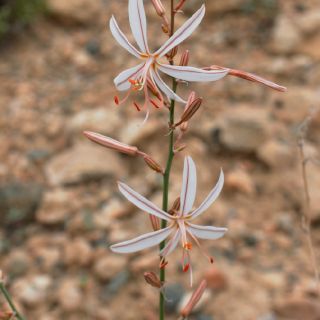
(216, 279)
(109, 266)
(114, 209)
(99, 120)
(74, 11)
(145, 262)
(286, 37)
(309, 22)
(116, 284)
(77, 252)
(240, 181)
(81, 163)
(276, 155)
(69, 295)
(174, 294)
(18, 262)
(55, 207)
(243, 130)
(19, 201)
(297, 309)
(134, 133)
(33, 291)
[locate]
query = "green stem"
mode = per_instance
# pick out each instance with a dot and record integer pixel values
(10, 302)
(166, 177)
(165, 198)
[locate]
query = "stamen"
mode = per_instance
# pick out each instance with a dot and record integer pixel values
(187, 245)
(211, 259)
(154, 104)
(116, 100)
(186, 267)
(137, 106)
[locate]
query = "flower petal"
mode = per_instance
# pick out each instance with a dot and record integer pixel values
(192, 74)
(171, 244)
(213, 195)
(189, 186)
(122, 39)
(142, 242)
(142, 203)
(206, 232)
(182, 33)
(138, 24)
(122, 80)
(165, 89)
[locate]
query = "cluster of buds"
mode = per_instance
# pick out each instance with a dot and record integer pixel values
(161, 12)
(192, 106)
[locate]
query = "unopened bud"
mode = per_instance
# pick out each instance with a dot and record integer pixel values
(165, 28)
(155, 222)
(172, 53)
(251, 77)
(175, 207)
(180, 5)
(111, 143)
(190, 110)
(153, 164)
(7, 315)
(184, 126)
(184, 60)
(152, 279)
(196, 296)
(179, 148)
(159, 7)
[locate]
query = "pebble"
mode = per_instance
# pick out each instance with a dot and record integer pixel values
(77, 252)
(69, 295)
(174, 293)
(81, 163)
(19, 201)
(55, 207)
(216, 278)
(109, 266)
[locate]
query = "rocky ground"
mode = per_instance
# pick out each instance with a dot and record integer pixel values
(59, 205)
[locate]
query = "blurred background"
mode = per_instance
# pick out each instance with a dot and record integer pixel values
(59, 205)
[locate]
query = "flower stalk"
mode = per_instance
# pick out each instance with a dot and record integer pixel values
(8, 298)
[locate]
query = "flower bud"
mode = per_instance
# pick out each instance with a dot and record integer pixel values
(196, 296)
(180, 5)
(159, 7)
(184, 60)
(152, 279)
(191, 108)
(172, 53)
(175, 207)
(111, 143)
(152, 164)
(251, 77)
(155, 222)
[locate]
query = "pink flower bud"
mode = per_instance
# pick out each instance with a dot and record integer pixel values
(191, 108)
(184, 60)
(152, 279)
(175, 207)
(180, 5)
(159, 7)
(196, 296)
(111, 143)
(152, 164)
(252, 77)
(155, 222)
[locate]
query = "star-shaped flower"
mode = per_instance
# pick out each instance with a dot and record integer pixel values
(145, 76)
(179, 226)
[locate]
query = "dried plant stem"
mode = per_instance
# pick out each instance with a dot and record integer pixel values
(8, 298)
(166, 176)
(306, 219)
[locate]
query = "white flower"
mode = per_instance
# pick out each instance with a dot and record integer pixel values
(179, 226)
(145, 76)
